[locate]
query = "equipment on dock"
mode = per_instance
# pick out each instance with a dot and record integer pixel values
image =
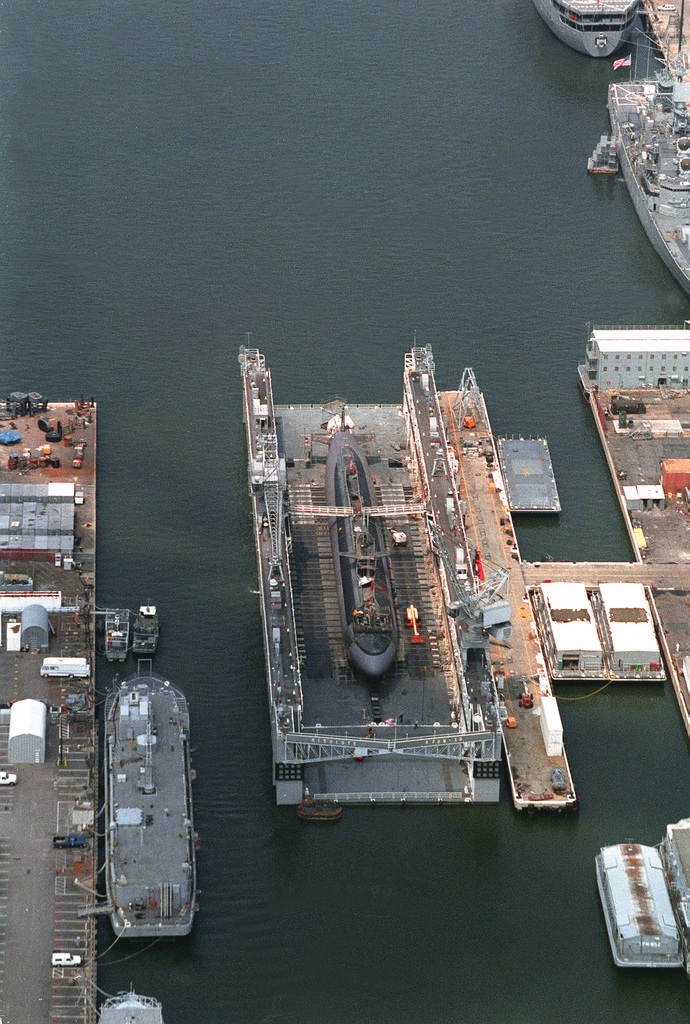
(150, 845)
(413, 620)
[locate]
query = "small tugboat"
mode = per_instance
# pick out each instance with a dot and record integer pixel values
(116, 634)
(319, 810)
(146, 631)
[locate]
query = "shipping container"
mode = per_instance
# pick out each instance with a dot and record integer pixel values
(551, 727)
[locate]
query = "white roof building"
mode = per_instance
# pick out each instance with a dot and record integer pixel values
(571, 638)
(633, 357)
(630, 627)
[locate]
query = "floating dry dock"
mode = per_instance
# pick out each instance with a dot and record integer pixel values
(468, 683)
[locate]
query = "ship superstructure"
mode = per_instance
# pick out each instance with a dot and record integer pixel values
(150, 839)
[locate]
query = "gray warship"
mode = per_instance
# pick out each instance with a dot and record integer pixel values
(650, 123)
(150, 844)
(675, 856)
(129, 1008)
(596, 28)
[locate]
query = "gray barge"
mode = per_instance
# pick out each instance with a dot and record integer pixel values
(651, 130)
(150, 839)
(639, 919)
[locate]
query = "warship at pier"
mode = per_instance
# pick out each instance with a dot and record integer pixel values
(150, 839)
(650, 123)
(596, 28)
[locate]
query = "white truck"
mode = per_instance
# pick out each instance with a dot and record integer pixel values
(78, 667)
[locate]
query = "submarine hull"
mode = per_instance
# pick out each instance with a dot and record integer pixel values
(361, 563)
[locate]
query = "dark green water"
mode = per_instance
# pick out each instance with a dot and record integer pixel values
(332, 179)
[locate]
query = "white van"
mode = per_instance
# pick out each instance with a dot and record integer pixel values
(66, 667)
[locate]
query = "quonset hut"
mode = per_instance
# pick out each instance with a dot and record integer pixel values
(35, 628)
(27, 738)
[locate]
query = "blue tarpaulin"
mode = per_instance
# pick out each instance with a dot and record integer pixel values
(9, 436)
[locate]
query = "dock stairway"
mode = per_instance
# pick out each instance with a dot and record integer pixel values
(604, 158)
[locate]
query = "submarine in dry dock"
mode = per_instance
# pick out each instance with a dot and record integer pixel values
(361, 562)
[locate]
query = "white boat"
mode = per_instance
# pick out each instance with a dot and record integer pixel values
(637, 909)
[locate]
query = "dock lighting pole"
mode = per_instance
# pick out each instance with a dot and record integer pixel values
(680, 31)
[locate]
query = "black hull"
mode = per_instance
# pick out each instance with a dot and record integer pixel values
(367, 615)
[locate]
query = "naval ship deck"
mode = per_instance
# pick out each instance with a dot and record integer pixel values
(150, 859)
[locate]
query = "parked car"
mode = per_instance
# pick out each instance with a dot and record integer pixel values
(8, 779)
(61, 959)
(73, 839)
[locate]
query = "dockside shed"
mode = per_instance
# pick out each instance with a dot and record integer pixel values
(27, 738)
(630, 629)
(569, 630)
(35, 628)
(627, 357)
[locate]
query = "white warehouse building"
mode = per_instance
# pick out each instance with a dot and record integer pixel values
(569, 631)
(634, 357)
(630, 628)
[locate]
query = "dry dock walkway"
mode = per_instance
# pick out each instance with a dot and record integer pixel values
(490, 528)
